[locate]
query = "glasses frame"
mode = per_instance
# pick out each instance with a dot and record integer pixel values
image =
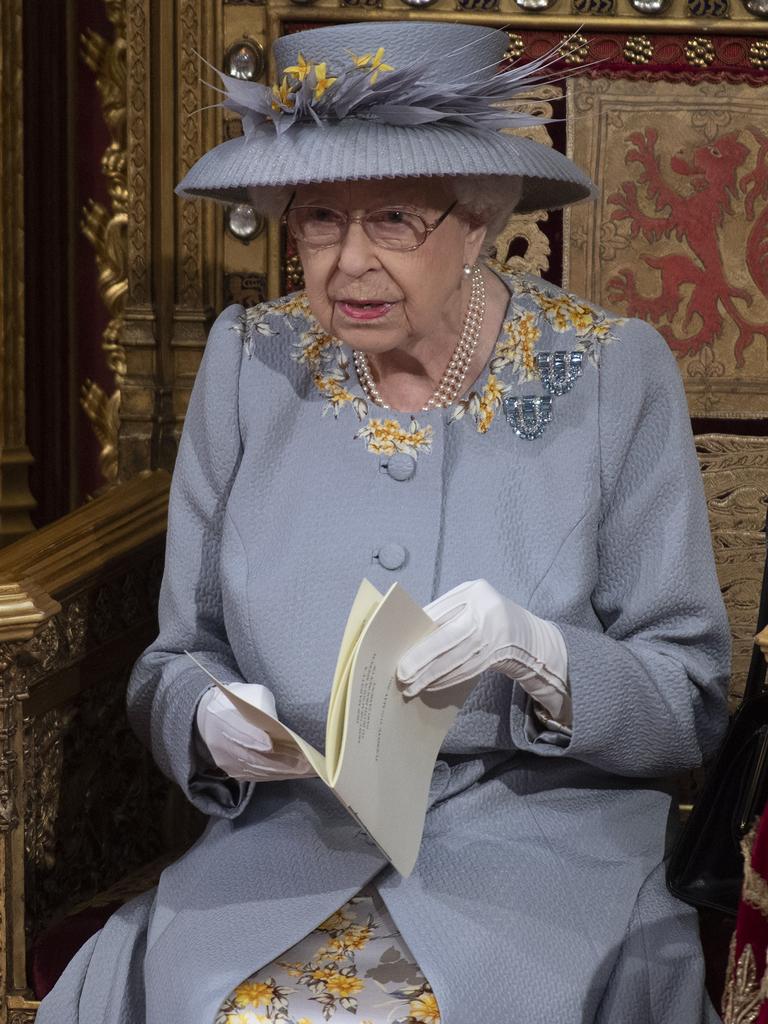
(428, 228)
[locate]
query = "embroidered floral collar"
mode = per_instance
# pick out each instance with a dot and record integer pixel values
(514, 361)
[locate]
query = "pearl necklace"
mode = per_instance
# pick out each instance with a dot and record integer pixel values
(451, 382)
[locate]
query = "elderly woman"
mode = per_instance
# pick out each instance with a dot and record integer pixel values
(522, 462)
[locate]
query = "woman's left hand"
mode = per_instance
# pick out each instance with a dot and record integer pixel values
(479, 629)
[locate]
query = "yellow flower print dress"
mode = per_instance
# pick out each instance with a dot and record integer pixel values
(355, 963)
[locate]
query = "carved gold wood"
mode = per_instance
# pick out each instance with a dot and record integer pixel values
(21, 1010)
(174, 284)
(676, 17)
(105, 229)
(683, 171)
(77, 605)
(526, 226)
(735, 474)
(136, 440)
(15, 458)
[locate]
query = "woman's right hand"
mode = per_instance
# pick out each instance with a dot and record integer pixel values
(241, 749)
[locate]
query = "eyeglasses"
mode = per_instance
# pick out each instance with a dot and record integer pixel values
(320, 227)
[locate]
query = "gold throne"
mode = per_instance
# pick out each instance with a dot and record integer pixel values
(662, 98)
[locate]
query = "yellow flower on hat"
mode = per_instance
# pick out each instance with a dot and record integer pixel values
(377, 65)
(300, 70)
(282, 94)
(373, 62)
(322, 81)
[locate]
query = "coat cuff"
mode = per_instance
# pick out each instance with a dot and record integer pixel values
(208, 788)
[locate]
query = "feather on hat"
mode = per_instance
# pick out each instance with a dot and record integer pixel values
(385, 100)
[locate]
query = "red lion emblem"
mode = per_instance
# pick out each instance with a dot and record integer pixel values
(713, 172)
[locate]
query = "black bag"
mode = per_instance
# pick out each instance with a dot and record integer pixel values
(706, 866)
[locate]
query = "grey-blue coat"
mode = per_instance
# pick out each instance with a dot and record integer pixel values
(538, 895)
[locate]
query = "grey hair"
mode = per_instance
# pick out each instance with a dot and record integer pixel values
(488, 199)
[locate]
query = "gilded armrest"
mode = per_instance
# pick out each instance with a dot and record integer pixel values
(81, 803)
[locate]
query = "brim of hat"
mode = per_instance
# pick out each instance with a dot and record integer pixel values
(360, 150)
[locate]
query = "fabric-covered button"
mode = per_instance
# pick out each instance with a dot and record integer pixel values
(391, 555)
(401, 466)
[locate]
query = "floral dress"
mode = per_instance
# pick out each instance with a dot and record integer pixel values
(356, 963)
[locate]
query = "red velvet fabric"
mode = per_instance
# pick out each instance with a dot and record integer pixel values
(716, 930)
(746, 989)
(55, 947)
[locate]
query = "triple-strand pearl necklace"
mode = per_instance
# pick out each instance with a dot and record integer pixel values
(452, 381)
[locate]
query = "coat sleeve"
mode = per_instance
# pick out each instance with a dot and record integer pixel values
(165, 685)
(649, 689)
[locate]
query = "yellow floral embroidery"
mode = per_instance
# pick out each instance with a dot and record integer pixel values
(293, 305)
(564, 313)
(514, 359)
(311, 346)
(517, 346)
(334, 391)
(482, 407)
(385, 437)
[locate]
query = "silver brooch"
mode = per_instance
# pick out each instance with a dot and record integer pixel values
(559, 371)
(528, 414)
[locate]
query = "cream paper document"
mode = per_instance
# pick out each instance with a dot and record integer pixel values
(380, 749)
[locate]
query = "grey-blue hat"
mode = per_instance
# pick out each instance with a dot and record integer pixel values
(385, 100)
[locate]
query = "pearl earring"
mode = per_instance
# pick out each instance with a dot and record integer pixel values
(467, 269)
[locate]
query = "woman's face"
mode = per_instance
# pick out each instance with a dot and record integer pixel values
(416, 295)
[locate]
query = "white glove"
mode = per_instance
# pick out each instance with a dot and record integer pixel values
(478, 630)
(239, 748)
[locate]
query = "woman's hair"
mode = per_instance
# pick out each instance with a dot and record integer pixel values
(489, 199)
(483, 199)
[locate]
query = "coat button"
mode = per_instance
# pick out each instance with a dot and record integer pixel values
(391, 555)
(401, 466)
